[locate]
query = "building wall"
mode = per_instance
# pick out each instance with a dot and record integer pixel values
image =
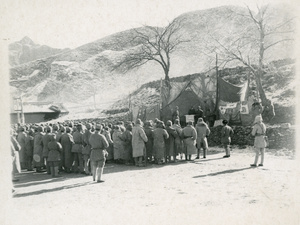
(29, 117)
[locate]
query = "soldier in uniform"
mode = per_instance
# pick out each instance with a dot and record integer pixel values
(87, 148)
(98, 156)
(77, 150)
(202, 133)
(189, 135)
(226, 134)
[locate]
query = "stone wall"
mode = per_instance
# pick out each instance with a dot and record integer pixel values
(278, 137)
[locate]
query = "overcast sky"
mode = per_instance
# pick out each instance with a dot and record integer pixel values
(71, 23)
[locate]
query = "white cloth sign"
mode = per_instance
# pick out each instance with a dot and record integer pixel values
(228, 105)
(244, 108)
(231, 105)
(218, 123)
(189, 118)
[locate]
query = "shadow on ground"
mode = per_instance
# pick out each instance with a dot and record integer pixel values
(30, 179)
(18, 195)
(224, 172)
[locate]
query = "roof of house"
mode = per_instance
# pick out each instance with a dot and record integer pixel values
(41, 107)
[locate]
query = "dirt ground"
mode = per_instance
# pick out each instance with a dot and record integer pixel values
(211, 191)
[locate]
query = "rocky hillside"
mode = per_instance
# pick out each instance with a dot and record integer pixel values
(26, 50)
(84, 75)
(278, 82)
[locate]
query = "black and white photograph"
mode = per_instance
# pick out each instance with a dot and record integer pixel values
(149, 112)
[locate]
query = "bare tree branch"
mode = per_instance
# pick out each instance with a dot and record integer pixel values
(154, 44)
(275, 43)
(253, 42)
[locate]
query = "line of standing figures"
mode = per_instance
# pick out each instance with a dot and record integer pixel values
(85, 147)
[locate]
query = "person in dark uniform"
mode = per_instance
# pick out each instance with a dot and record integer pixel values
(268, 112)
(175, 114)
(192, 111)
(199, 114)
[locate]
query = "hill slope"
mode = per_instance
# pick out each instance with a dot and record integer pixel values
(278, 83)
(26, 50)
(85, 74)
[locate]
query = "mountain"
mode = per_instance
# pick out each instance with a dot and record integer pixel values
(26, 50)
(84, 76)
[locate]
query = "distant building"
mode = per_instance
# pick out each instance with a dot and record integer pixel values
(36, 112)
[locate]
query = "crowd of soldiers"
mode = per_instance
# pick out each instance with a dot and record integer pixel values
(84, 147)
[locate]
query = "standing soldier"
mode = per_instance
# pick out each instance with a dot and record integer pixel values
(199, 114)
(77, 150)
(67, 142)
(57, 132)
(202, 133)
(178, 140)
(127, 137)
(46, 140)
(38, 150)
(170, 142)
(98, 154)
(259, 131)
(29, 143)
(138, 143)
(118, 144)
(110, 148)
(159, 137)
(149, 144)
(54, 148)
(15, 148)
(175, 114)
(226, 134)
(268, 112)
(189, 135)
(60, 132)
(87, 148)
(21, 140)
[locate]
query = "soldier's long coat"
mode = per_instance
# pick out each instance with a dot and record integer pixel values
(67, 142)
(159, 146)
(138, 141)
(38, 150)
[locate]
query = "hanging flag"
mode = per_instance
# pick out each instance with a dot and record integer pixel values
(244, 108)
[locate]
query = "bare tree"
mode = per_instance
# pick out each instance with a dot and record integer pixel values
(253, 42)
(155, 44)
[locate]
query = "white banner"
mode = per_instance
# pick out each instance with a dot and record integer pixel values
(244, 108)
(189, 118)
(218, 123)
(229, 105)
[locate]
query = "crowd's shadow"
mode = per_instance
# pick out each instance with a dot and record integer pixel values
(30, 179)
(206, 160)
(45, 190)
(224, 172)
(27, 179)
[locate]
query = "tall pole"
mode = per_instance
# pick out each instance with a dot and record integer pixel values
(129, 107)
(18, 110)
(161, 100)
(22, 111)
(217, 88)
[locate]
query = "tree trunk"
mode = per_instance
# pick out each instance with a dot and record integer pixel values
(167, 81)
(261, 91)
(259, 72)
(166, 87)
(167, 78)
